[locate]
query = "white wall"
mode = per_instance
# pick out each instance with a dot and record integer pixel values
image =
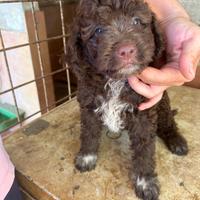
(14, 32)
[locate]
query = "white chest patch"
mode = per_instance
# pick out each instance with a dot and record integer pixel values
(112, 107)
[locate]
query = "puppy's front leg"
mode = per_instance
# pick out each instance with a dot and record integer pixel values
(143, 146)
(90, 135)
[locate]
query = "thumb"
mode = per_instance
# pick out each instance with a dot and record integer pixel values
(189, 58)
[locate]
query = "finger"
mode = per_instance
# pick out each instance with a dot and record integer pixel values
(151, 102)
(168, 75)
(145, 90)
(139, 87)
(189, 58)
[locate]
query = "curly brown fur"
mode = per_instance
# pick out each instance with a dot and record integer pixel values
(109, 41)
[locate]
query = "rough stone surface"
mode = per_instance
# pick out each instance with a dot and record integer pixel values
(44, 161)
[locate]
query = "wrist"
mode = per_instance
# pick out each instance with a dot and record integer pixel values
(167, 10)
(173, 16)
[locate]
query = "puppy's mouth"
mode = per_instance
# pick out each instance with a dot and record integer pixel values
(129, 69)
(125, 71)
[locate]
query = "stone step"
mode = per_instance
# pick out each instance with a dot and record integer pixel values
(43, 153)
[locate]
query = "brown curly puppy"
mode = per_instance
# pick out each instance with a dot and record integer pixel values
(109, 41)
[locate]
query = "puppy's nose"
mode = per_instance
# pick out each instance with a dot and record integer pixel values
(126, 52)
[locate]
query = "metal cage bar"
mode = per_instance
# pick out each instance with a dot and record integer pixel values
(39, 54)
(32, 81)
(10, 78)
(32, 43)
(64, 43)
(43, 77)
(42, 110)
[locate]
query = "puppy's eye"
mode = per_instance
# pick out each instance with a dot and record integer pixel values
(137, 21)
(99, 30)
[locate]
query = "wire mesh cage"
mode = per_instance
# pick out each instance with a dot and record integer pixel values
(33, 81)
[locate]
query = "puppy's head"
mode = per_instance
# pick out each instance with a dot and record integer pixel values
(117, 38)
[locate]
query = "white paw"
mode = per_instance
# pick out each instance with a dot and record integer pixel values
(141, 182)
(85, 162)
(147, 188)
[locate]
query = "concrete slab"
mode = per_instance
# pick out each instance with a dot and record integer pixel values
(43, 154)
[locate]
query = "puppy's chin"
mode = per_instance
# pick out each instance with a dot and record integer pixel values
(127, 71)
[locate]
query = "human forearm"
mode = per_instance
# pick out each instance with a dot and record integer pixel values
(167, 9)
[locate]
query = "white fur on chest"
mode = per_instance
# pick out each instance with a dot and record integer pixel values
(112, 107)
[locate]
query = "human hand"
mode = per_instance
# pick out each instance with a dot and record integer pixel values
(183, 55)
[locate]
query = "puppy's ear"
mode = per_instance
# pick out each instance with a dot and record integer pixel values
(73, 48)
(158, 38)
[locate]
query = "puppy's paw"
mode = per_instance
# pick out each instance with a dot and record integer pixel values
(85, 162)
(177, 145)
(147, 188)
